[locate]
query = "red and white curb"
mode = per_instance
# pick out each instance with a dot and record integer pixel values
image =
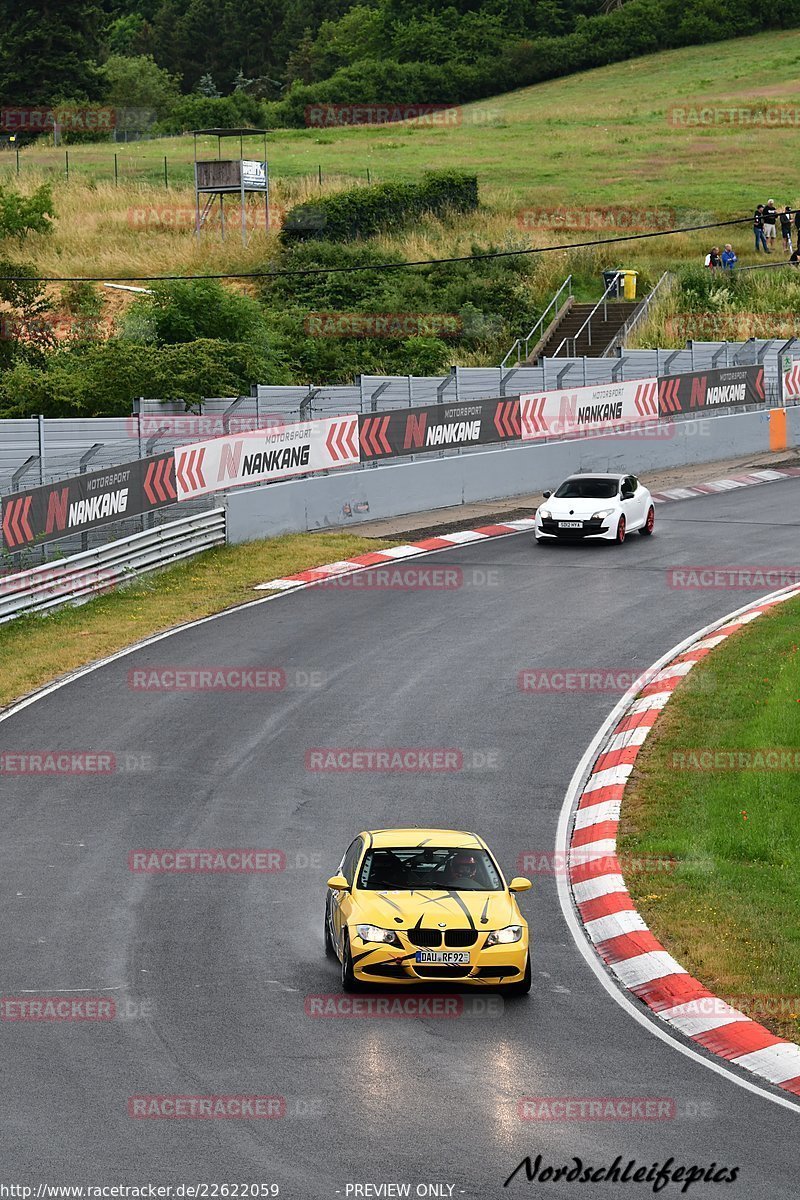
(616, 930)
(445, 541)
(751, 479)
(373, 558)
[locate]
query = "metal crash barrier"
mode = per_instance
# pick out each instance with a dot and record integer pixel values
(81, 576)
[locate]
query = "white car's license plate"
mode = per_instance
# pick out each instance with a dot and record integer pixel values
(449, 958)
(570, 524)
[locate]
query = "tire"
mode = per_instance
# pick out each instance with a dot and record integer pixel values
(330, 949)
(349, 981)
(523, 987)
(647, 528)
(621, 527)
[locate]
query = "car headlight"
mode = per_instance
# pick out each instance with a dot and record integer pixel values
(544, 512)
(374, 933)
(501, 937)
(602, 512)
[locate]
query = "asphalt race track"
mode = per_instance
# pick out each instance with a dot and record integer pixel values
(214, 969)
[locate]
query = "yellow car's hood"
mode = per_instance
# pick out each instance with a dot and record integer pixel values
(458, 910)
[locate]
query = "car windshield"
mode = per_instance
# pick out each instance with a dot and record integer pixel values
(587, 489)
(422, 868)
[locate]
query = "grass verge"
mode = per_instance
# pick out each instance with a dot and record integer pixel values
(730, 909)
(37, 649)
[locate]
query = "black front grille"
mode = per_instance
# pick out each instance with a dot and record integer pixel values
(460, 937)
(496, 972)
(433, 972)
(424, 937)
(587, 528)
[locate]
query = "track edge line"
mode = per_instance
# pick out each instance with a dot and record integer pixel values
(612, 986)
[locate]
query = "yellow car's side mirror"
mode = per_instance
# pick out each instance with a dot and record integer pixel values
(338, 883)
(519, 884)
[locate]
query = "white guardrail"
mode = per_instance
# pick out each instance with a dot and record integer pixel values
(91, 572)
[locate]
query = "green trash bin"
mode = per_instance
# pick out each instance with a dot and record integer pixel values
(629, 284)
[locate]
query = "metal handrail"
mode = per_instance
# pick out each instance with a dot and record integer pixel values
(614, 284)
(538, 326)
(635, 318)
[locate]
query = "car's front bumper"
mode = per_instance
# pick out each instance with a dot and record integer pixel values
(488, 966)
(589, 530)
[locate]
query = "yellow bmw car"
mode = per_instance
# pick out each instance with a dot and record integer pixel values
(413, 906)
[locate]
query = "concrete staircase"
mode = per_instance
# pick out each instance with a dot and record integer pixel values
(605, 326)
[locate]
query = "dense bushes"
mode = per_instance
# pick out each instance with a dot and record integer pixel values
(363, 211)
(213, 112)
(496, 286)
(103, 378)
(183, 342)
(193, 339)
(188, 311)
(386, 82)
(23, 313)
(476, 308)
(637, 27)
(21, 215)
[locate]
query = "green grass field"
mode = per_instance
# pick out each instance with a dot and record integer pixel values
(600, 137)
(730, 911)
(587, 156)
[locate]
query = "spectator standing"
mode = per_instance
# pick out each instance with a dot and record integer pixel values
(729, 258)
(786, 229)
(770, 219)
(758, 229)
(797, 224)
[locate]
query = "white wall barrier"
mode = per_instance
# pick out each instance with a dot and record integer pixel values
(348, 498)
(343, 497)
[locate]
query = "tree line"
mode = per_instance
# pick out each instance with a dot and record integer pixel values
(191, 63)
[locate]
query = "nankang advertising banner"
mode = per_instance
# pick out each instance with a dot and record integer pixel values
(699, 391)
(57, 510)
(266, 455)
(437, 427)
(587, 409)
(791, 378)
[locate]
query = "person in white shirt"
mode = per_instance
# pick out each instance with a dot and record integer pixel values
(770, 219)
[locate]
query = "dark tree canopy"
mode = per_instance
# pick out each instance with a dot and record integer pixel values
(49, 51)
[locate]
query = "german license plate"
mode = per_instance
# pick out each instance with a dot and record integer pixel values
(570, 524)
(448, 958)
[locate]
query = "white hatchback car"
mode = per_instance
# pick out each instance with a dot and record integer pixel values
(595, 506)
